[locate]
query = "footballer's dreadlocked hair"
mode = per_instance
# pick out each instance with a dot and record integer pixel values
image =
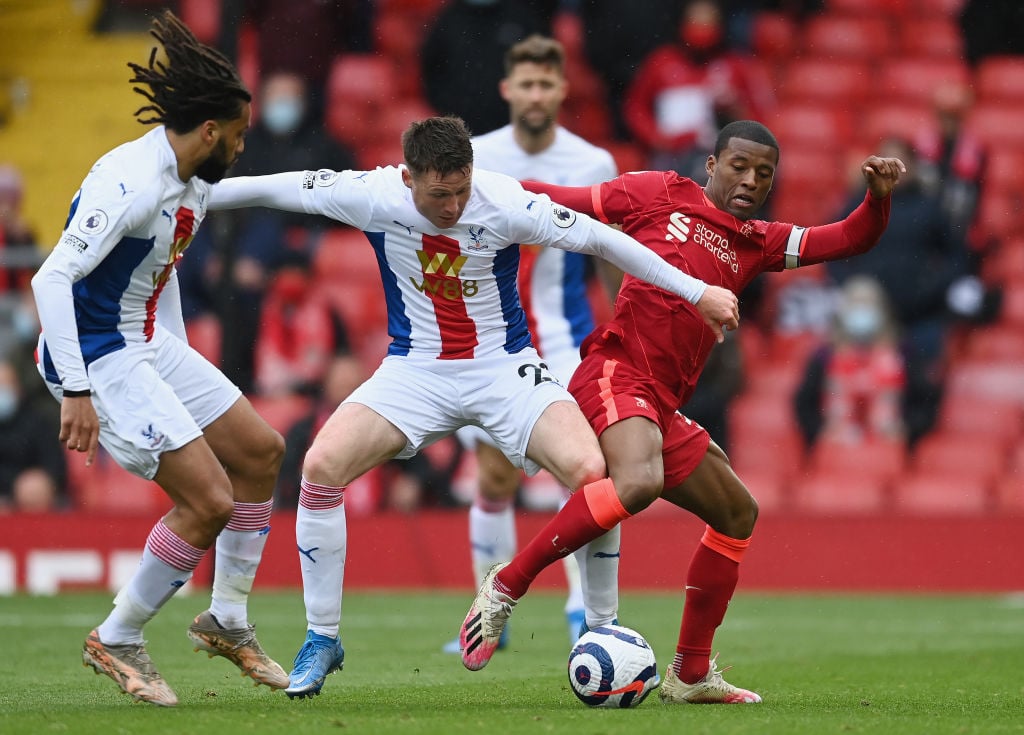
(197, 83)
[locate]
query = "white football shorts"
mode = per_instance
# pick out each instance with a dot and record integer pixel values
(430, 399)
(154, 397)
(562, 364)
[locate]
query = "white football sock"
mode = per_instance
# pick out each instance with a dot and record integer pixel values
(167, 564)
(321, 534)
(599, 576)
(239, 550)
(492, 536)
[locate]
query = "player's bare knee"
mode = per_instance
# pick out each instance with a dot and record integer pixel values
(272, 453)
(589, 467)
(321, 466)
(637, 490)
(741, 515)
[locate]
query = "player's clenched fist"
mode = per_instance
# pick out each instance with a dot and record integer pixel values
(882, 174)
(720, 309)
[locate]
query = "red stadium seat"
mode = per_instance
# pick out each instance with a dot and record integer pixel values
(914, 79)
(344, 254)
(1013, 308)
(359, 88)
(833, 492)
(929, 8)
(1000, 79)
(203, 19)
(999, 125)
(869, 7)
(999, 214)
(938, 36)
(769, 489)
(628, 156)
(1005, 168)
(881, 459)
(1010, 493)
(774, 36)
(931, 492)
(587, 117)
(840, 82)
(848, 36)
(281, 412)
(1005, 262)
(398, 37)
(764, 438)
(204, 336)
(995, 420)
(985, 379)
(811, 125)
(997, 343)
(906, 121)
(957, 454)
(107, 488)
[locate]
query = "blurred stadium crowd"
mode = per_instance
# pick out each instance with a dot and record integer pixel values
(889, 383)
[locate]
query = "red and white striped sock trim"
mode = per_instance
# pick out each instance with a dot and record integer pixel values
(319, 497)
(491, 506)
(250, 516)
(172, 549)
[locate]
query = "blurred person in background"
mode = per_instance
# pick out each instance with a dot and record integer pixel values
(684, 91)
(33, 468)
(19, 252)
(464, 52)
(303, 37)
(234, 258)
(299, 331)
(920, 257)
(860, 386)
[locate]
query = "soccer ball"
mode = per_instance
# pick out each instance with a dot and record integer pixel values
(612, 666)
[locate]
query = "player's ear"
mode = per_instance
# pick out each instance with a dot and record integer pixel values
(709, 166)
(406, 178)
(209, 131)
(503, 88)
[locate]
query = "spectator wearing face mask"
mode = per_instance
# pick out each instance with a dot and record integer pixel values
(863, 386)
(686, 90)
(33, 469)
(233, 259)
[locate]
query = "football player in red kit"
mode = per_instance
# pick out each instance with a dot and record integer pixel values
(644, 363)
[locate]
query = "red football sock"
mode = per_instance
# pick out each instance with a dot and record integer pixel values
(588, 513)
(710, 582)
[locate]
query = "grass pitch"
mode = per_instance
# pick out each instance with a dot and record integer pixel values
(824, 664)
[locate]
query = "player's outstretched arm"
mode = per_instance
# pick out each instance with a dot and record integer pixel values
(882, 174)
(277, 191)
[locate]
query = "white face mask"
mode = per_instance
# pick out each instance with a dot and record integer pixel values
(861, 322)
(283, 115)
(8, 403)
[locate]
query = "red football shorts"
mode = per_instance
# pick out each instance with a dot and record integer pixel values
(609, 391)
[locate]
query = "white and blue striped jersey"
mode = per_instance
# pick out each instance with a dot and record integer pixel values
(451, 294)
(100, 287)
(552, 282)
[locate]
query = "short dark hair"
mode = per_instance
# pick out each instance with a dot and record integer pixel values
(535, 49)
(197, 83)
(750, 130)
(439, 144)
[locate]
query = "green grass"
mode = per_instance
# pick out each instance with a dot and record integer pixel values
(824, 664)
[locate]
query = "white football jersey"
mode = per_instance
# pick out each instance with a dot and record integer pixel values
(552, 282)
(128, 226)
(451, 294)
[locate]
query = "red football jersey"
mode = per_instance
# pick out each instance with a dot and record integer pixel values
(653, 329)
(662, 334)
